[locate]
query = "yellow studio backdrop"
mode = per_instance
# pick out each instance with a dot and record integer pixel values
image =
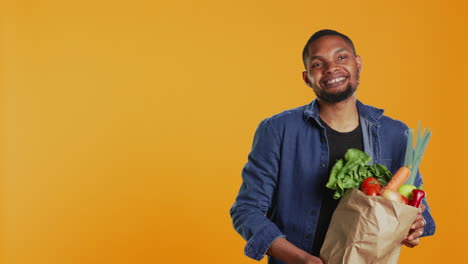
(125, 124)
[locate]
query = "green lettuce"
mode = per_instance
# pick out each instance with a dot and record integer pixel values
(351, 172)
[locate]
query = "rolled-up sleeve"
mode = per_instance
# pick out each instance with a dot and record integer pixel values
(259, 177)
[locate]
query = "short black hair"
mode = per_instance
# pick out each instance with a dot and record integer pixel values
(321, 33)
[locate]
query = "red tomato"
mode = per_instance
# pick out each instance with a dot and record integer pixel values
(372, 190)
(371, 186)
(370, 180)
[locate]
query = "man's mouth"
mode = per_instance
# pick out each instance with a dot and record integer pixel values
(335, 82)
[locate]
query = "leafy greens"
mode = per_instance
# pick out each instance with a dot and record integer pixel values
(350, 172)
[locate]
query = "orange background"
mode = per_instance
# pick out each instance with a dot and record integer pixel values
(125, 124)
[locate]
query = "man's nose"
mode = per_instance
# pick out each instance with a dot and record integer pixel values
(331, 67)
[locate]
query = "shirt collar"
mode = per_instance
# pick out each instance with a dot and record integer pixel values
(365, 111)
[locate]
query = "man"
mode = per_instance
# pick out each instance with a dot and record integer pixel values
(283, 208)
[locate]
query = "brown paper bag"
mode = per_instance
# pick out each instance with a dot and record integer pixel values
(366, 229)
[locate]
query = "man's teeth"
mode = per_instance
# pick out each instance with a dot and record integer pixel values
(339, 79)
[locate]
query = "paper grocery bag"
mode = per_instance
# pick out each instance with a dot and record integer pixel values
(366, 229)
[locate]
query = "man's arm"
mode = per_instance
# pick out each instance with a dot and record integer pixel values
(259, 183)
(284, 250)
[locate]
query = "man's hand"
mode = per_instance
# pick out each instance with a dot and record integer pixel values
(416, 230)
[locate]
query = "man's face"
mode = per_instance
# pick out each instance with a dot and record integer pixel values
(332, 69)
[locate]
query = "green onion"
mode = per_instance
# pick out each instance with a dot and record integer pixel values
(414, 155)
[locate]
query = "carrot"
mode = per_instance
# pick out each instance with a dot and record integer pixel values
(398, 178)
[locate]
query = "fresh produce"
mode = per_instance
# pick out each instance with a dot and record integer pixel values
(405, 201)
(414, 155)
(416, 200)
(370, 182)
(398, 178)
(406, 190)
(392, 195)
(371, 186)
(353, 170)
(408, 172)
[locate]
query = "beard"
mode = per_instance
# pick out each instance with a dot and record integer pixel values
(337, 97)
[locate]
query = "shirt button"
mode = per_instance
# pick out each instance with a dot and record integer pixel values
(309, 236)
(323, 164)
(313, 212)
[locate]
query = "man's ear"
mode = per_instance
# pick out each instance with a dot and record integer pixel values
(306, 78)
(359, 63)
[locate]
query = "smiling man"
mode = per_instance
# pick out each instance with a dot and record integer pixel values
(333, 69)
(283, 208)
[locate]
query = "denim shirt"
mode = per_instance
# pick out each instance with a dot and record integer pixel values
(281, 192)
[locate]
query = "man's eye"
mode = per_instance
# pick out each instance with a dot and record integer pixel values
(317, 64)
(342, 57)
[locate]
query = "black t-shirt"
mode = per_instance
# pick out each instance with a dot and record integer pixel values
(338, 144)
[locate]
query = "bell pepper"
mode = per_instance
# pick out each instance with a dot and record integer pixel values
(418, 195)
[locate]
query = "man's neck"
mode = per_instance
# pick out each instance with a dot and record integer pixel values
(342, 116)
